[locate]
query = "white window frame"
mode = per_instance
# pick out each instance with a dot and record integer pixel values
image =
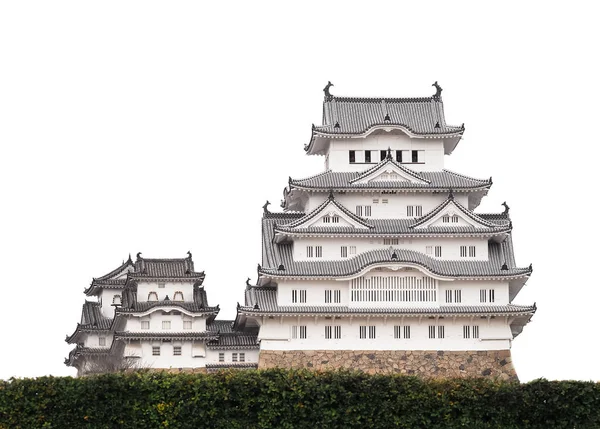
(166, 324)
(145, 324)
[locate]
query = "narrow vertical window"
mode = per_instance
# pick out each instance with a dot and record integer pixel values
(438, 251)
(294, 332)
(431, 331)
(187, 324)
(382, 155)
(415, 156)
(335, 219)
(457, 295)
(418, 210)
(353, 250)
(466, 331)
(367, 156)
(454, 219)
(166, 324)
(441, 330)
(102, 341)
(327, 296)
(344, 251)
(463, 251)
(328, 332)
(302, 332)
(145, 324)
(371, 332)
(326, 219)
(303, 295)
(337, 296)
(428, 250)
(482, 295)
(409, 211)
(294, 296)
(242, 357)
(337, 332)
(352, 156)
(309, 251)
(448, 296)
(397, 331)
(319, 251)
(492, 295)
(367, 210)
(362, 332)
(398, 156)
(234, 357)
(475, 331)
(472, 251)
(445, 219)
(221, 357)
(359, 211)
(407, 332)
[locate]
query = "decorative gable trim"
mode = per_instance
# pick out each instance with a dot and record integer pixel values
(389, 166)
(450, 207)
(329, 207)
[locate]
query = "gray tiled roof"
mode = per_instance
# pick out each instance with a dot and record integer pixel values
(195, 307)
(222, 326)
(165, 335)
(499, 224)
(122, 269)
(79, 351)
(233, 341)
(266, 298)
(438, 180)
(422, 116)
(275, 255)
(91, 320)
(166, 268)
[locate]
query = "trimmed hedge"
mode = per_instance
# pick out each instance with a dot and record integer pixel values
(293, 399)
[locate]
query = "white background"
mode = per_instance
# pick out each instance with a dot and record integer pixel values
(162, 127)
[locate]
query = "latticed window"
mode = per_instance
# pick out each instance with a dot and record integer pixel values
(145, 324)
(472, 251)
(176, 350)
(234, 357)
(221, 357)
(187, 324)
(318, 251)
(446, 219)
(438, 251)
(402, 332)
(166, 324)
(155, 350)
(454, 219)
(344, 251)
(242, 357)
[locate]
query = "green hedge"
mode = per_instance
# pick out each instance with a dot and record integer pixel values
(293, 399)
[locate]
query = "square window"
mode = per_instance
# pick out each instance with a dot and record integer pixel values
(145, 324)
(155, 350)
(166, 324)
(161, 285)
(176, 350)
(102, 341)
(187, 324)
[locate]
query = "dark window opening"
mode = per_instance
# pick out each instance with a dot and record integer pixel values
(352, 155)
(367, 156)
(383, 154)
(415, 156)
(398, 156)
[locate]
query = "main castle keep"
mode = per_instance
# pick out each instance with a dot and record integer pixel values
(378, 263)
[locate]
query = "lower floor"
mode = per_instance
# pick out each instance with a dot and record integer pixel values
(495, 364)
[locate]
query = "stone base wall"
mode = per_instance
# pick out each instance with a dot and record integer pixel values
(496, 364)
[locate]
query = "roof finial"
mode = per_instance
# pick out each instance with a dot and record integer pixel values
(506, 208)
(189, 254)
(389, 153)
(129, 260)
(394, 256)
(451, 195)
(531, 268)
(331, 197)
(248, 282)
(387, 117)
(438, 91)
(265, 209)
(139, 255)
(328, 95)
(504, 267)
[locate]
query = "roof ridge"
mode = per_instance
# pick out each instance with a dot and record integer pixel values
(387, 160)
(464, 176)
(380, 99)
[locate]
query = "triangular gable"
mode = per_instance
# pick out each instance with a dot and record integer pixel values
(451, 214)
(329, 208)
(389, 170)
(119, 273)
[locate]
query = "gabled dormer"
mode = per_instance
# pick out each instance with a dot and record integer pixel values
(330, 214)
(387, 171)
(452, 214)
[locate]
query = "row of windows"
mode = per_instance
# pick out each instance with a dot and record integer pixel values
(331, 295)
(485, 295)
(448, 218)
(403, 156)
(317, 251)
(153, 296)
(235, 357)
(166, 324)
(411, 211)
(331, 219)
(400, 332)
(156, 350)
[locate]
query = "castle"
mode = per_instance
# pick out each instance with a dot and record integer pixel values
(378, 263)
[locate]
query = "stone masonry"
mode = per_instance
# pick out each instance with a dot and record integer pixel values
(496, 364)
